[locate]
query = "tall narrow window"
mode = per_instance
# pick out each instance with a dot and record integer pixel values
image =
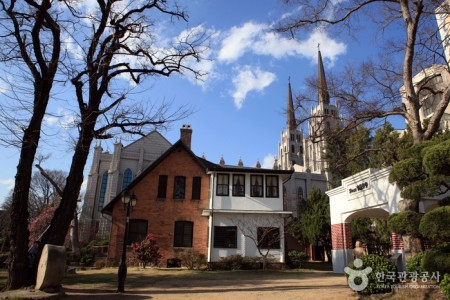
(272, 186)
(300, 193)
(225, 237)
(183, 234)
(292, 148)
(222, 184)
(256, 188)
(179, 187)
(268, 237)
(239, 185)
(127, 178)
(137, 231)
(104, 184)
(196, 188)
(162, 186)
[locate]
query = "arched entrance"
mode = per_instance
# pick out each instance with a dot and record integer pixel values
(366, 194)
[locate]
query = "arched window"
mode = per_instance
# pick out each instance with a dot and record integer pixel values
(127, 178)
(101, 199)
(300, 193)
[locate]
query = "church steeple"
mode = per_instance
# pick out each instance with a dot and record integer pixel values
(324, 97)
(290, 110)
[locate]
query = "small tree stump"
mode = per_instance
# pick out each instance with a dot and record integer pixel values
(51, 268)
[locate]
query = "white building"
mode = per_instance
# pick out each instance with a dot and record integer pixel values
(435, 78)
(365, 194)
(443, 21)
(112, 172)
(245, 203)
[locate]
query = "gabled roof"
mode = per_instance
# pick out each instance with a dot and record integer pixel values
(202, 162)
(205, 164)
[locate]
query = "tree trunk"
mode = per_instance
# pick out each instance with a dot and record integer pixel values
(60, 223)
(18, 231)
(411, 245)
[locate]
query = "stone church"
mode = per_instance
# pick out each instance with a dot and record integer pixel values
(110, 173)
(304, 153)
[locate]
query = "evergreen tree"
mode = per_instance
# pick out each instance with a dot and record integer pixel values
(313, 224)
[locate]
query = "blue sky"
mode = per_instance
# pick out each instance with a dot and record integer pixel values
(239, 106)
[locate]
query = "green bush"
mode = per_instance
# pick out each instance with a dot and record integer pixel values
(238, 262)
(192, 259)
(414, 263)
(445, 285)
(298, 257)
(435, 225)
(379, 281)
(404, 223)
(437, 259)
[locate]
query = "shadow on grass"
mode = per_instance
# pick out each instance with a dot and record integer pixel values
(142, 284)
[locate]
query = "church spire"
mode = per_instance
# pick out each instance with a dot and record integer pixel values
(290, 109)
(324, 97)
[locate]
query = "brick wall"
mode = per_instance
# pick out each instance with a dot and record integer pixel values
(341, 236)
(163, 213)
(397, 241)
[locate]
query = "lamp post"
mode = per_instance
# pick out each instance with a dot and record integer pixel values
(128, 201)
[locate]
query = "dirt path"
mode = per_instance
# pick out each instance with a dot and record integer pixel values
(281, 286)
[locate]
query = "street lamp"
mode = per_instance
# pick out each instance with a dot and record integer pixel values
(128, 202)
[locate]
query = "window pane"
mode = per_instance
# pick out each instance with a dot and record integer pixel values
(196, 188)
(183, 234)
(272, 186)
(222, 184)
(127, 178)
(238, 185)
(256, 189)
(179, 187)
(225, 237)
(137, 231)
(104, 184)
(162, 186)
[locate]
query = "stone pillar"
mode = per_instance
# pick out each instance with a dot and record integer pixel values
(341, 239)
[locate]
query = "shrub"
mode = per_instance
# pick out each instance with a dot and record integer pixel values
(437, 259)
(147, 251)
(232, 262)
(238, 262)
(405, 223)
(445, 285)
(435, 225)
(99, 264)
(298, 257)
(192, 259)
(414, 263)
(379, 282)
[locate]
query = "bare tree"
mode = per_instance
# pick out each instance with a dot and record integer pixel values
(118, 42)
(265, 232)
(115, 42)
(30, 36)
(376, 89)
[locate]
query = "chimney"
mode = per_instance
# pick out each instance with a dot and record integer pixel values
(186, 135)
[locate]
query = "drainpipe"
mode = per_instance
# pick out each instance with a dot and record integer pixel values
(211, 218)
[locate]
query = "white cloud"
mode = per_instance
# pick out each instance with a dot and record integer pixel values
(239, 40)
(61, 118)
(9, 183)
(268, 161)
(249, 79)
(261, 40)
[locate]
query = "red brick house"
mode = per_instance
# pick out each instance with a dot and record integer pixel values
(172, 193)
